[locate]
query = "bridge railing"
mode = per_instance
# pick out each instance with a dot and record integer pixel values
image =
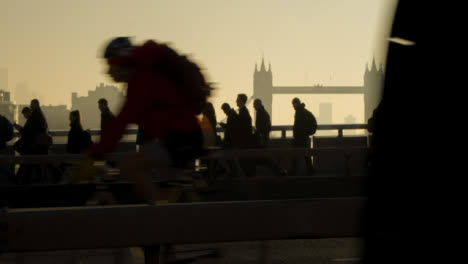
(283, 129)
(149, 226)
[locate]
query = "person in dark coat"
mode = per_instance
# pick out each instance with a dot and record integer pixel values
(78, 139)
(231, 139)
(106, 116)
(262, 136)
(244, 128)
(301, 136)
(230, 127)
(262, 124)
(106, 113)
(246, 137)
(35, 126)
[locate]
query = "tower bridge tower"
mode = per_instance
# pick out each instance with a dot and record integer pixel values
(263, 86)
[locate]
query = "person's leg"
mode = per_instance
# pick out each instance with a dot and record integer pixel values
(308, 159)
(138, 168)
(293, 168)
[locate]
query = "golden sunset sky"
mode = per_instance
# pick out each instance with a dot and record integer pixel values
(52, 48)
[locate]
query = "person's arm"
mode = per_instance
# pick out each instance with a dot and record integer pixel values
(133, 107)
(18, 127)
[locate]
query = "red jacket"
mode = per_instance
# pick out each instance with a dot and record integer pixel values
(152, 103)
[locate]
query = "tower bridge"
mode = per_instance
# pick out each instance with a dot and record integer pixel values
(373, 78)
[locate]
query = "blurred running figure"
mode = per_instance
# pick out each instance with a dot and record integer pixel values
(165, 93)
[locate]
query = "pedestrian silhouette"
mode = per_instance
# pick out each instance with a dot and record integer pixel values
(304, 126)
(78, 139)
(262, 136)
(246, 137)
(36, 130)
(35, 141)
(230, 127)
(208, 125)
(262, 124)
(20, 146)
(231, 140)
(106, 113)
(244, 127)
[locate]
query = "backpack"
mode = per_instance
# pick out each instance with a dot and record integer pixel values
(185, 75)
(86, 137)
(311, 123)
(43, 141)
(7, 129)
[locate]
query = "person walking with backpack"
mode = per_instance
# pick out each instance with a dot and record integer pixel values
(165, 94)
(305, 125)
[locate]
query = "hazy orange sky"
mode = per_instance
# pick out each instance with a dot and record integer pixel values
(51, 48)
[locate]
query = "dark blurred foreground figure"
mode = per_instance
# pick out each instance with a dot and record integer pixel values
(165, 94)
(6, 131)
(415, 191)
(305, 125)
(6, 134)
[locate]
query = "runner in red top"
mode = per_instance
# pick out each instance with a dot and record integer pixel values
(161, 109)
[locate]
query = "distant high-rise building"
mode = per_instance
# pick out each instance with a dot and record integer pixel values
(263, 86)
(3, 79)
(7, 108)
(57, 116)
(88, 105)
(325, 113)
(350, 119)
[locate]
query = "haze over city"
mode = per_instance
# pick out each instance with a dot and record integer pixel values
(52, 48)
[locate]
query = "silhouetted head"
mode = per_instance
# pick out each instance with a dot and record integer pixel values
(102, 104)
(226, 108)
(26, 111)
(75, 117)
(297, 103)
(117, 53)
(116, 46)
(241, 100)
(35, 104)
(257, 104)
